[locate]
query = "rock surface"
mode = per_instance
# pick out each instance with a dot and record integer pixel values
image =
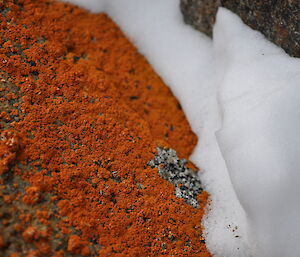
(279, 21)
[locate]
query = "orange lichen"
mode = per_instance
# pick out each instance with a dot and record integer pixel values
(78, 246)
(30, 233)
(90, 112)
(9, 146)
(32, 195)
(2, 242)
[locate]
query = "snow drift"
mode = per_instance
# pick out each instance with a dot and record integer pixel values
(259, 95)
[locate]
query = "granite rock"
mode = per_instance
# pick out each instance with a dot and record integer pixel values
(278, 20)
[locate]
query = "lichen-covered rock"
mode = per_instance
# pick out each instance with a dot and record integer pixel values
(279, 21)
(81, 114)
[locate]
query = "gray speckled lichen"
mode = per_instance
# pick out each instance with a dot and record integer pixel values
(171, 168)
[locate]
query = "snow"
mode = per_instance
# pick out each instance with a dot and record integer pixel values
(259, 95)
(240, 95)
(94, 6)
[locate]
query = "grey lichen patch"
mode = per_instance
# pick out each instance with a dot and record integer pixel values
(170, 167)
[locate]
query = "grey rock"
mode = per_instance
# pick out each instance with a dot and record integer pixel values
(200, 14)
(278, 20)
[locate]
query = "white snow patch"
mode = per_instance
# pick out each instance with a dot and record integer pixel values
(260, 100)
(257, 125)
(94, 6)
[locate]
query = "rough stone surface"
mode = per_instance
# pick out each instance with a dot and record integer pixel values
(278, 20)
(200, 14)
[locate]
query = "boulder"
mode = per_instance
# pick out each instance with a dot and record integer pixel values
(279, 21)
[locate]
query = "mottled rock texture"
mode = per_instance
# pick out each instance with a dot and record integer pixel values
(278, 20)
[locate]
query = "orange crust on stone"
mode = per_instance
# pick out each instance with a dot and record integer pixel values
(87, 112)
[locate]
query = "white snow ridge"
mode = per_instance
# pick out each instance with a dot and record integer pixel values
(241, 95)
(259, 94)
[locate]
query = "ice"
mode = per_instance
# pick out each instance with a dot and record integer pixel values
(243, 89)
(259, 94)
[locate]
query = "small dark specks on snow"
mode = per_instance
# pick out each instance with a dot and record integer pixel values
(171, 168)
